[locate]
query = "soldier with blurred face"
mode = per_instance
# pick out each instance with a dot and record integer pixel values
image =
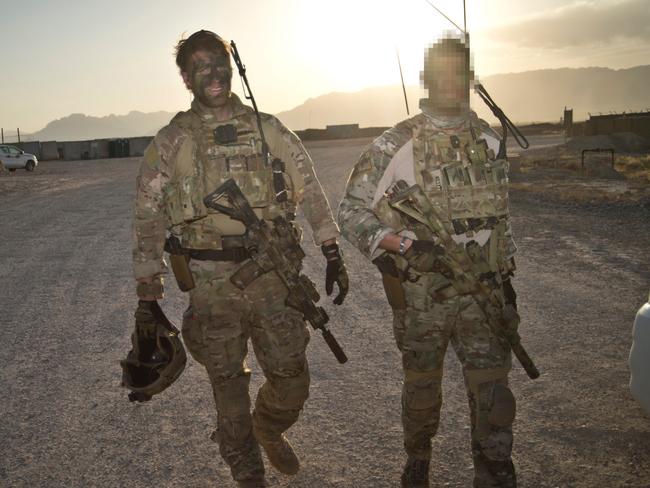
(215, 140)
(451, 155)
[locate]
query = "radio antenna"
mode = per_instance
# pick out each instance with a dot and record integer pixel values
(406, 101)
(464, 18)
(464, 31)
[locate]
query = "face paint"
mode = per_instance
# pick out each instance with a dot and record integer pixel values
(210, 78)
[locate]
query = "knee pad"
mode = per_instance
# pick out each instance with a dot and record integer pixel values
(290, 392)
(297, 394)
(282, 391)
(495, 405)
(489, 387)
(504, 406)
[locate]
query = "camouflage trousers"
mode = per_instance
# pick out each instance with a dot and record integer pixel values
(216, 328)
(423, 331)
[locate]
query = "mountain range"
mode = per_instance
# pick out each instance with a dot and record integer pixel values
(80, 127)
(531, 96)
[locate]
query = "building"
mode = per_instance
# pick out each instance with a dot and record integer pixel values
(635, 122)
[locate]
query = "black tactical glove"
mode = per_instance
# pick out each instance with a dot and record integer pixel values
(509, 295)
(424, 255)
(335, 272)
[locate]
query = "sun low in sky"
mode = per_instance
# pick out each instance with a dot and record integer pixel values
(101, 58)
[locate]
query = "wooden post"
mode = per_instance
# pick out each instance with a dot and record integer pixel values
(18, 131)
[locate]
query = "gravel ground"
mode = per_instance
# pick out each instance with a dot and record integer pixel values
(66, 312)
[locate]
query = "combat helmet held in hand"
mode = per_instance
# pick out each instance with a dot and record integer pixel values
(157, 358)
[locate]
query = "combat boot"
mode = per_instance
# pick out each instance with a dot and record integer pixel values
(416, 473)
(280, 453)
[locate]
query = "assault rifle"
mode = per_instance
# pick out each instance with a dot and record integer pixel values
(273, 248)
(463, 262)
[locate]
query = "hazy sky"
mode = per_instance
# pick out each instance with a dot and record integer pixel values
(61, 57)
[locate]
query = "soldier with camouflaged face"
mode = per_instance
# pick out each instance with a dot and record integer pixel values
(451, 154)
(215, 140)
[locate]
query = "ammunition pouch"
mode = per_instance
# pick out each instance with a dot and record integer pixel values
(248, 273)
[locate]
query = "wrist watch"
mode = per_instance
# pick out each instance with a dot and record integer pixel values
(402, 246)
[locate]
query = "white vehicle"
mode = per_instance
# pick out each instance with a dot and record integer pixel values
(14, 158)
(640, 358)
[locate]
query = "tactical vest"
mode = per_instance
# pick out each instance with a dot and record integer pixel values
(468, 189)
(202, 164)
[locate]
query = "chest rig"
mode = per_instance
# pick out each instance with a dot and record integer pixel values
(467, 187)
(214, 153)
(461, 178)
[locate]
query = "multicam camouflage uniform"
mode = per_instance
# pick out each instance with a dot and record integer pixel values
(181, 166)
(430, 313)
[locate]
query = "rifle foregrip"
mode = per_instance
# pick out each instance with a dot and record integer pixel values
(526, 362)
(334, 346)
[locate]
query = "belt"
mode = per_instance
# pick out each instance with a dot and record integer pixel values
(233, 250)
(236, 254)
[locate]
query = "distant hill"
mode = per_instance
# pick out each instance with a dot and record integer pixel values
(531, 96)
(78, 127)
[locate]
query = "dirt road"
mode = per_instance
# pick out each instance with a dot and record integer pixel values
(66, 313)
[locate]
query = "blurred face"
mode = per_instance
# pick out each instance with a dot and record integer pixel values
(208, 76)
(447, 78)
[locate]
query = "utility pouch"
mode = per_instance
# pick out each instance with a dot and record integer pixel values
(245, 275)
(180, 263)
(392, 280)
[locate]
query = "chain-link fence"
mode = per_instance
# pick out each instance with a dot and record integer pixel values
(9, 136)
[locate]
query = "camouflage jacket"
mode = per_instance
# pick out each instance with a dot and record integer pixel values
(158, 169)
(388, 159)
